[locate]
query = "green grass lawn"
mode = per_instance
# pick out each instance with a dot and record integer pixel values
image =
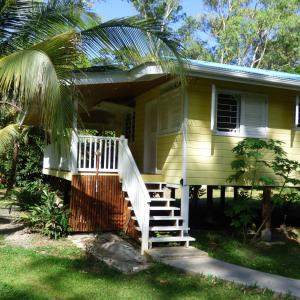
(68, 274)
(277, 259)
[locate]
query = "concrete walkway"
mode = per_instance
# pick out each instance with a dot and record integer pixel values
(192, 260)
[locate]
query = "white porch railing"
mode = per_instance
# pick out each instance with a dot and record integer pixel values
(91, 146)
(135, 187)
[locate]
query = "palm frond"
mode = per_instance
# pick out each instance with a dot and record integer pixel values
(13, 15)
(137, 38)
(41, 76)
(48, 19)
(7, 136)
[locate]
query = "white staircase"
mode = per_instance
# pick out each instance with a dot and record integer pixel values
(165, 220)
(156, 217)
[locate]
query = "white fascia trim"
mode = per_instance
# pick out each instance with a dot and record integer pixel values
(140, 73)
(242, 77)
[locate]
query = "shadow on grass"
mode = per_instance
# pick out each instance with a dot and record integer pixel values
(36, 276)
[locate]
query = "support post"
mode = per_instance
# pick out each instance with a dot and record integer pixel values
(266, 214)
(235, 193)
(74, 141)
(222, 198)
(209, 198)
(185, 204)
(185, 197)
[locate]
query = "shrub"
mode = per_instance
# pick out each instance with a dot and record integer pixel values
(49, 218)
(30, 195)
(242, 213)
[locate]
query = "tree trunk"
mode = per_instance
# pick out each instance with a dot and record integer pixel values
(266, 214)
(13, 171)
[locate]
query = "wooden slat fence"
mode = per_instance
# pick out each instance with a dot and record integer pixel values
(104, 209)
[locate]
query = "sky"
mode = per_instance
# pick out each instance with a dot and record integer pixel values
(109, 9)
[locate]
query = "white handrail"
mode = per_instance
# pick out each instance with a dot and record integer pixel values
(135, 187)
(88, 146)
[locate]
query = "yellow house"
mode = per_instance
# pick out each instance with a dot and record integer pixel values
(177, 135)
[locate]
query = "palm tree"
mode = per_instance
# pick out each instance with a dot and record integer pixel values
(41, 44)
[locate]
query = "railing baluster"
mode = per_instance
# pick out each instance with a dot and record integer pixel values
(109, 155)
(114, 154)
(101, 154)
(84, 154)
(79, 153)
(90, 154)
(95, 151)
(105, 144)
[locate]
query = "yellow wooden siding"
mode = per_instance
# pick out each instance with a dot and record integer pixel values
(209, 155)
(169, 147)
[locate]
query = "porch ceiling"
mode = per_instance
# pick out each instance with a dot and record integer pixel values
(120, 93)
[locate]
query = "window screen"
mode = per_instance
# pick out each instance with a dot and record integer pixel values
(228, 112)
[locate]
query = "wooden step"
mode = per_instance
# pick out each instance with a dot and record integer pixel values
(155, 191)
(164, 208)
(165, 239)
(162, 199)
(168, 228)
(165, 218)
(165, 228)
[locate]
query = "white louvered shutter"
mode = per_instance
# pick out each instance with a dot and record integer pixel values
(253, 121)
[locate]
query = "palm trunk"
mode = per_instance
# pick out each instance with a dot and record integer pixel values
(13, 171)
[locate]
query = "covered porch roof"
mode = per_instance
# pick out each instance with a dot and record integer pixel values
(106, 103)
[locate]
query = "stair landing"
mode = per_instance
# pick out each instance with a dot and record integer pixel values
(166, 253)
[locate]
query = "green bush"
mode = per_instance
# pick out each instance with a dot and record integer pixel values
(30, 195)
(242, 213)
(49, 218)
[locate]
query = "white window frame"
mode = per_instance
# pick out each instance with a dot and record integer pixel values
(238, 132)
(297, 103)
(168, 97)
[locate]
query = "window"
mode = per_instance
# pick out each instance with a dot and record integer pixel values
(228, 112)
(170, 112)
(239, 113)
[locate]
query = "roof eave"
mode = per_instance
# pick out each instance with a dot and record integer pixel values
(242, 77)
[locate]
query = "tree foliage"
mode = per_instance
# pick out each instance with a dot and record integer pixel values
(254, 33)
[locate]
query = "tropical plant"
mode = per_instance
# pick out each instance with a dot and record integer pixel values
(261, 164)
(30, 195)
(242, 213)
(51, 218)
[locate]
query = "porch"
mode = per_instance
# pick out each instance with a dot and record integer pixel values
(149, 203)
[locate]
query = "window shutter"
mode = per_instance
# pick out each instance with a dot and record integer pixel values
(170, 112)
(253, 115)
